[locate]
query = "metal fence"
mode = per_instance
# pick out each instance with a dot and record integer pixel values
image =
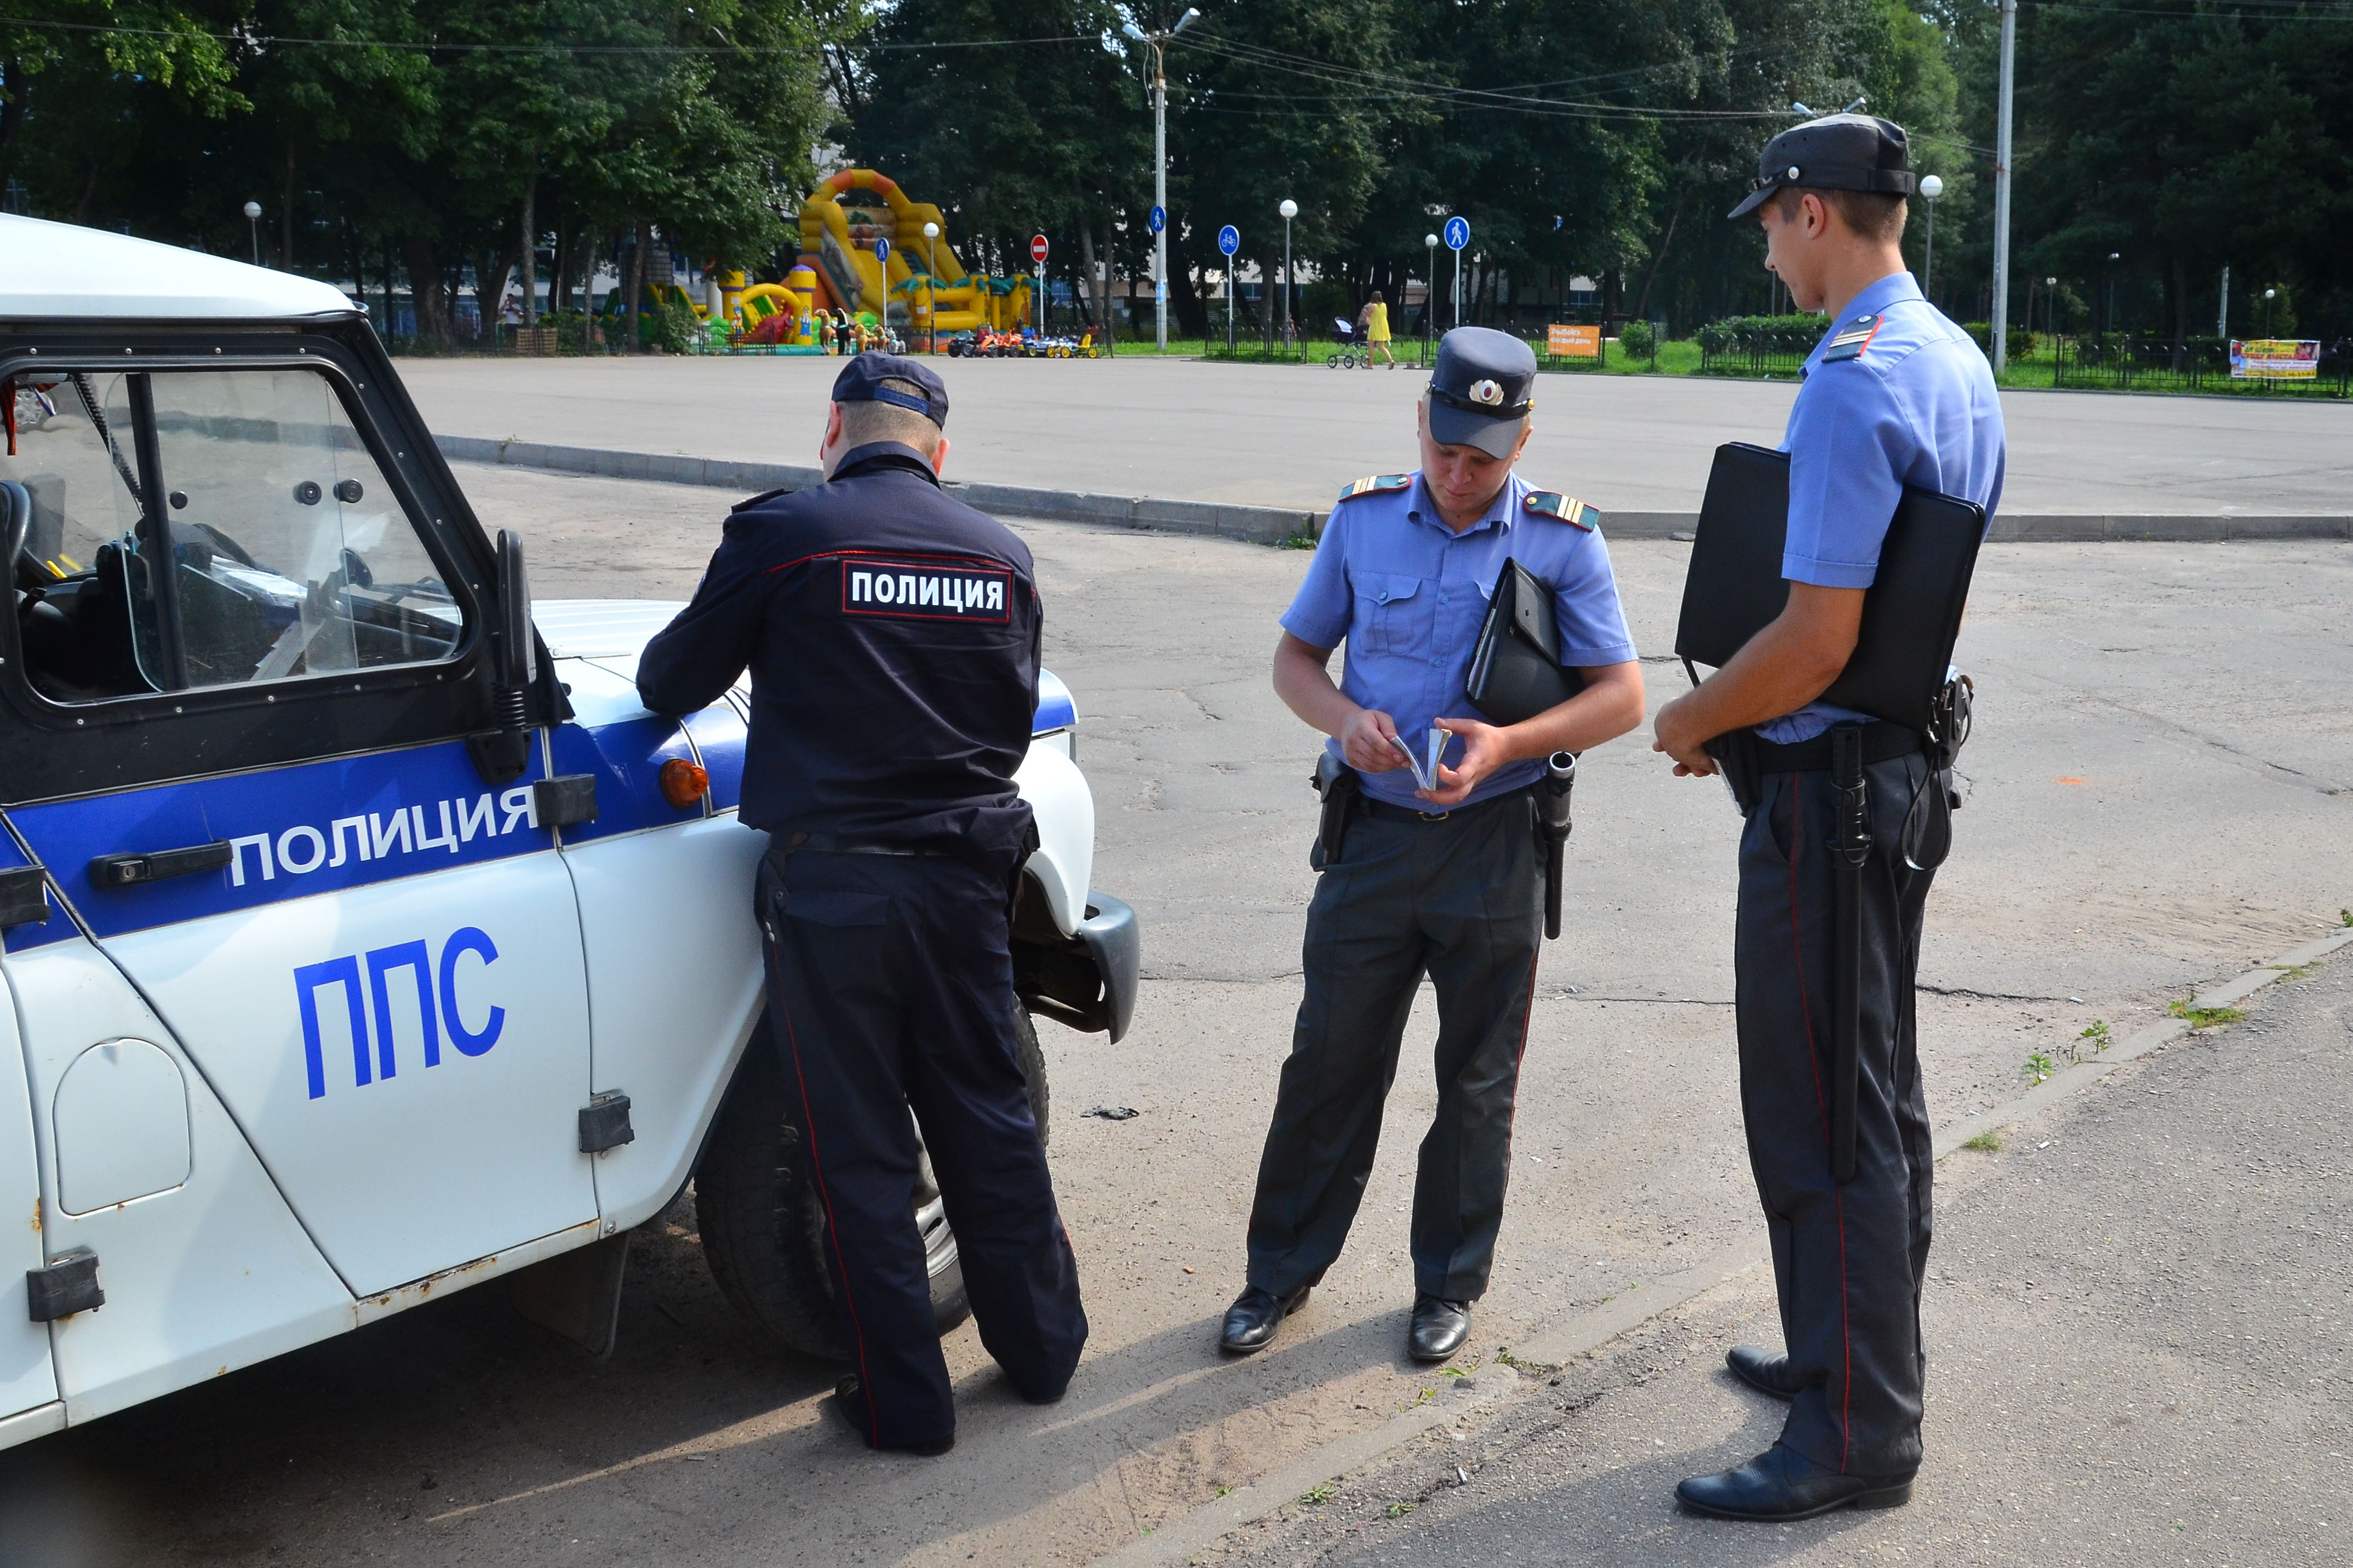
(1726, 349)
(2118, 361)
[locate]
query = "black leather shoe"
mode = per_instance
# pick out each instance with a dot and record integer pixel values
(1780, 1485)
(1762, 1371)
(850, 1401)
(1438, 1327)
(1251, 1321)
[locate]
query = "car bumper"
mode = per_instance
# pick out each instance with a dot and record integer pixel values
(1114, 942)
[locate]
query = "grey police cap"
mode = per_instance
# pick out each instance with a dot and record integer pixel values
(1480, 390)
(1836, 152)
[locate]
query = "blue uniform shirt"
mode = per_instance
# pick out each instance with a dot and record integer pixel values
(1407, 594)
(1916, 407)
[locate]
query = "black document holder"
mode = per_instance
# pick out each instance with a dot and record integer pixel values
(1516, 669)
(1911, 615)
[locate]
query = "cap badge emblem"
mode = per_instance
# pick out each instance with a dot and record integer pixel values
(1487, 392)
(1793, 170)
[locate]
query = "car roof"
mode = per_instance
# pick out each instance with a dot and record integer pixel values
(60, 270)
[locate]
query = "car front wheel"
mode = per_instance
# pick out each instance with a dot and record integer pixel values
(764, 1223)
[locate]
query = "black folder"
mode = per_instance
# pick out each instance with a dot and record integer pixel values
(1911, 616)
(1516, 669)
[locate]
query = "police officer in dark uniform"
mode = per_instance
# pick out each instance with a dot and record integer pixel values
(1444, 882)
(893, 636)
(1894, 396)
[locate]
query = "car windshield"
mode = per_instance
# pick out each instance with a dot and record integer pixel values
(291, 554)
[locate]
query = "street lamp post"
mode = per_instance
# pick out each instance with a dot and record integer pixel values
(2268, 295)
(1158, 43)
(1290, 209)
(2110, 323)
(1429, 295)
(1931, 187)
(932, 286)
(253, 226)
(1999, 327)
(2050, 311)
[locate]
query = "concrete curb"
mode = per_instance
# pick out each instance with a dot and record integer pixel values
(1645, 1300)
(1272, 525)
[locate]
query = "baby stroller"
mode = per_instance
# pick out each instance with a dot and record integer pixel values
(1354, 347)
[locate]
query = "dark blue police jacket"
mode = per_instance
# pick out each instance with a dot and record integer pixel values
(893, 636)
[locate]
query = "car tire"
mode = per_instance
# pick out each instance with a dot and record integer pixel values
(764, 1221)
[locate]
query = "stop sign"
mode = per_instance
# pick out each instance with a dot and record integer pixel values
(1038, 248)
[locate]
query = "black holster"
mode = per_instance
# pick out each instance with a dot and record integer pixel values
(1735, 758)
(1551, 795)
(1850, 850)
(1339, 784)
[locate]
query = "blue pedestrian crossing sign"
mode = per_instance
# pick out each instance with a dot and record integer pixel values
(882, 250)
(1457, 232)
(1156, 221)
(1230, 239)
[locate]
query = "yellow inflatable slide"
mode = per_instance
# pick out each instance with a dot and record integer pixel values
(840, 222)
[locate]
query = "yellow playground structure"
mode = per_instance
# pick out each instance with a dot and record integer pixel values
(837, 280)
(840, 223)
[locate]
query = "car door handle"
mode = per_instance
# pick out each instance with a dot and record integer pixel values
(155, 865)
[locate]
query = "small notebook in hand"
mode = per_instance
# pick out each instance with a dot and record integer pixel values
(1516, 669)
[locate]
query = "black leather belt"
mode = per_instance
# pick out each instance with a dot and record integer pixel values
(1385, 812)
(1881, 743)
(827, 844)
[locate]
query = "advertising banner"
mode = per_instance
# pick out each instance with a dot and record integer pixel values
(1567, 341)
(2274, 359)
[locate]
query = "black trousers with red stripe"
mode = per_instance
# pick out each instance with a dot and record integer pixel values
(1848, 1260)
(1461, 901)
(891, 985)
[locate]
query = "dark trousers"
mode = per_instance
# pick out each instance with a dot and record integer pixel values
(891, 985)
(1848, 1260)
(1461, 901)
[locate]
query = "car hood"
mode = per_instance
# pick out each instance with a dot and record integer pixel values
(614, 632)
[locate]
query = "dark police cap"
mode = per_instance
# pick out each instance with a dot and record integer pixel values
(861, 380)
(1481, 390)
(1836, 152)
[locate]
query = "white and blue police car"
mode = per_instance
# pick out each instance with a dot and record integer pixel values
(363, 937)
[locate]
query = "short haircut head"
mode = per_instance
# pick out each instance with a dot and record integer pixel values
(1874, 216)
(868, 421)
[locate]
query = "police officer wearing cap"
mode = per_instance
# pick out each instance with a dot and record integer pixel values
(1894, 394)
(886, 726)
(1442, 882)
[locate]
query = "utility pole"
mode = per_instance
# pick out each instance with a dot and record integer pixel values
(1157, 43)
(2001, 181)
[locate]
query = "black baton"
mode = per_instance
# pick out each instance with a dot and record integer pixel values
(1850, 848)
(1552, 829)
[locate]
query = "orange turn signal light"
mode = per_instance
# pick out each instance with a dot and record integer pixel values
(684, 783)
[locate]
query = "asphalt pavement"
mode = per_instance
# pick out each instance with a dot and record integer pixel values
(2158, 788)
(2139, 1343)
(1291, 435)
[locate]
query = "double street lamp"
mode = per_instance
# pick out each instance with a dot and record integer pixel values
(1157, 43)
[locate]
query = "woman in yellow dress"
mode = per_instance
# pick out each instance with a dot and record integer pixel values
(1374, 321)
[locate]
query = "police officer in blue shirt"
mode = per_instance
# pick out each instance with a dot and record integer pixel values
(1894, 394)
(893, 636)
(1442, 882)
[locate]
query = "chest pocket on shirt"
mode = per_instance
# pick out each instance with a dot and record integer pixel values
(1393, 613)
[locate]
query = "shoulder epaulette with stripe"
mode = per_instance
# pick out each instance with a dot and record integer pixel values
(1377, 484)
(1568, 509)
(1852, 340)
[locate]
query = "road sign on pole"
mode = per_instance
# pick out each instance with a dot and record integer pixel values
(882, 250)
(1230, 239)
(1458, 235)
(1156, 220)
(1038, 248)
